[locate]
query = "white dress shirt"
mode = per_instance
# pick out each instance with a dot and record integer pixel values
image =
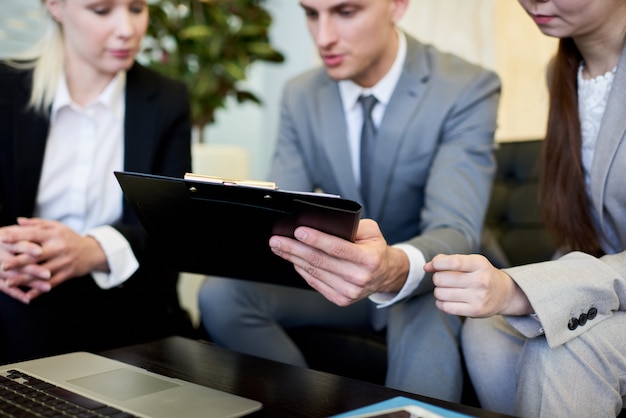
(77, 186)
(350, 93)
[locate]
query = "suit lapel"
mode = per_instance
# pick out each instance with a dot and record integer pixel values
(30, 150)
(332, 121)
(610, 136)
(404, 103)
(30, 146)
(140, 120)
(31, 136)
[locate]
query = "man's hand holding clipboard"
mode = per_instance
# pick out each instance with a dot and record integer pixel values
(223, 227)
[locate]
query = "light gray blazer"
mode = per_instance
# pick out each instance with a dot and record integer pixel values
(566, 288)
(434, 162)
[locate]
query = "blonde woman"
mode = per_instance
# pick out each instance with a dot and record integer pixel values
(76, 271)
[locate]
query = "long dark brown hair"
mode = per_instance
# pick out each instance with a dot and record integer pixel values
(562, 187)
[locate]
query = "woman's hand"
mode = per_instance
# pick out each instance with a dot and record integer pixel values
(18, 264)
(38, 255)
(468, 285)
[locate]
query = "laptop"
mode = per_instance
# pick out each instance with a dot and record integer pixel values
(106, 386)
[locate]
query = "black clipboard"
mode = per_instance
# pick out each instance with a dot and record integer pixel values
(223, 229)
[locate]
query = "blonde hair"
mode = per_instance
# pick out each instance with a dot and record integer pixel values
(46, 59)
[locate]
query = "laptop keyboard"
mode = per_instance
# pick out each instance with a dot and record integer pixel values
(22, 395)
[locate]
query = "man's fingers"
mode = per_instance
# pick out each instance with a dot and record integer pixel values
(325, 288)
(334, 246)
(321, 271)
(305, 256)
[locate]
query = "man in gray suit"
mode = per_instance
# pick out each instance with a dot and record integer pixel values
(430, 175)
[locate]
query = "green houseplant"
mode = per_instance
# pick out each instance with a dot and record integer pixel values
(209, 45)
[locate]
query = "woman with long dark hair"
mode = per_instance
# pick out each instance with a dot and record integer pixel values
(551, 340)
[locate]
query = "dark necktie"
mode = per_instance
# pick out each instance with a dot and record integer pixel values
(368, 136)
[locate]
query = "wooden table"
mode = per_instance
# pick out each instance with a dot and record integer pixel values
(284, 390)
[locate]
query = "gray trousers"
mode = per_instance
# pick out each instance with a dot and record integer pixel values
(251, 317)
(585, 377)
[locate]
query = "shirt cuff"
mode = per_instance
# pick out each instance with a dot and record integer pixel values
(414, 278)
(120, 257)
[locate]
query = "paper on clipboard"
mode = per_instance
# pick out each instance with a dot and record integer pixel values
(230, 181)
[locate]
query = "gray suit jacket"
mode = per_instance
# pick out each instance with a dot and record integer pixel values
(434, 164)
(571, 286)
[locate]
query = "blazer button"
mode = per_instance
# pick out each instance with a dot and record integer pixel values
(592, 313)
(582, 319)
(572, 324)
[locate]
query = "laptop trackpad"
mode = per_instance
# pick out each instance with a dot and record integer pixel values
(123, 384)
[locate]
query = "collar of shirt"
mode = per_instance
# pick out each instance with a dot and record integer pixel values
(350, 91)
(112, 97)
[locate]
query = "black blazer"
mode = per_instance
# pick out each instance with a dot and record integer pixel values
(156, 140)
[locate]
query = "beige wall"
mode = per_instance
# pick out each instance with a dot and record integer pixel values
(498, 35)
(523, 53)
